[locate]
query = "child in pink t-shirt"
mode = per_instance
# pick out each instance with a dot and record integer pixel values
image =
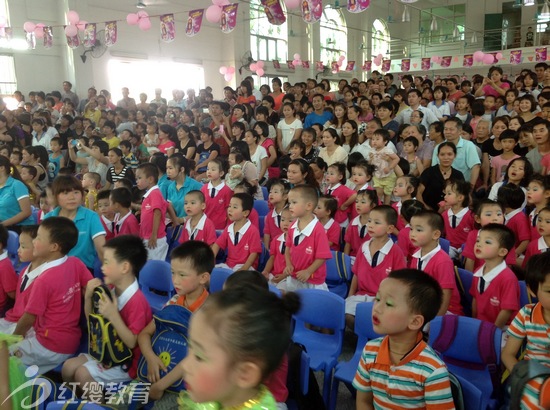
(499, 164)
(325, 211)
(278, 195)
(356, 232)
(405, 188)
(197, 227)
(541, 244)
(409, 208)
(216, 193)
(276, 264)
(512, 198)
(126, 222)
(336, 178)
(458, 218)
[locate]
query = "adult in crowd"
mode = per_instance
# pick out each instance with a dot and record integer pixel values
(541, 128)
(15, 204)
(68, 93)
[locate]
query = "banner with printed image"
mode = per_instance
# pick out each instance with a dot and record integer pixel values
(194, 22)
(229, 17)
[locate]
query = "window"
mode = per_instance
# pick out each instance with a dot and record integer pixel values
(8, 80)
(334, 35)
(267, 41)
(452, 16)
(380, 39)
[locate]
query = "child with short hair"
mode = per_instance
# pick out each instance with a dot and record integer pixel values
(405, 189)
(91, 181)
(245, 187)
(529, 329)
(361, 176)
(406, 301)
(55, 300)
(458, 218)
(44, 205)
(28, 174)
(216, 193)
(499, 163)
(180, 184)
(336, 179)
(128, 156)
(192, 263)
(106, 214)
(543, 243)
(356, 233)
(24, 280)
(518, 172)
(241, 239)
(8, 277)
(278, 196)
(324, 211)
(197, 227)
(153, 212)
(426, 229)
(495, 288)
(126, 222)
(128, 312)
(385, 161)
(410, 146)
(377, 257)
(512, 198)
(56, 158)
(276, 263)
(307, 246)
(538, 192)
(409, 208)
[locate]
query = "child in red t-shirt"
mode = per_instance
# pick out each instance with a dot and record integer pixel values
(409, 208)
(126, 222)
(336, 178)
(458, 218)
(356, 233)
(405, 189)
(216, 193)
(276, 264)
(197, 227)
(538, 192)
(106, 214)
(324, 211)
(278, 195)
(512, 197)
(541, 244)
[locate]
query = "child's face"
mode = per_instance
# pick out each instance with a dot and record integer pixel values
(514, 125)
(363, 204)
(391, 313)
(409, 148)
(545, 113)
(543, 223)
(377, 141)
(88, 182)
(44, 205)
(489, 103)
(535, 194)
(151, 130)
(333, 176)
(377, 226)
(498, 128)
(213, 172)
(193, 205)
(294, 174)
(69, 200)
(490, 214)
(276, 195)
(421, 234)
(286, 220)
(112, 269)
(142, 181)
(25, 175)
(359, 176)
(298, 206)
(185, 277)
(401, 188)
(55, 147)
(42, 247)
(488, 246)
(508, 144)
(25, 250)
(235, 210)
(321, 211)
(295, 151)
(104, 207)
(451, 197)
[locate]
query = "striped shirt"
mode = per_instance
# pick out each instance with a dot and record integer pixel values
(419, 381)
(529, 324)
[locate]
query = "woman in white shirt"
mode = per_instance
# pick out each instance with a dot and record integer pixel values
(332, 151)
(258, 154)
(289, 128)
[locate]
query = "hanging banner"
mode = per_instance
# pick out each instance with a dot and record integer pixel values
(468, 60)
(167, 28)
(194, 22)
(319, 66)
(48, 37)
(73, 42)
(405, 64)
(446, 61)
(305, 64)
(276, 64)
(31, 40)
(357, 6)
(7, 33)
(290, 65)
(426, 63)
(335, 67)
(229, 17)
(515, 57)
(312, 10)
(540, 54)
(111, 33)
(274, 12)
(89, 35)
(350, 66)
(386, 65)
(367, 65)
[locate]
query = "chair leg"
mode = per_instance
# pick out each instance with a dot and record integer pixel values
(334, 393)
(327, 386)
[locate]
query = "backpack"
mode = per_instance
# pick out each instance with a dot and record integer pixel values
(456, 390)
(523, 372)
(169, 342)
(104, 344)
(312, 399)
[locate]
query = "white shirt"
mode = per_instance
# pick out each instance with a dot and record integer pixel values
(242, 231)
(489, 276)
(257, 157)
(459, 216)
(288, 130)
(382, 252)
(510, 215)
(127, 295)
(200, 225)
(426, 258)
(308, 230)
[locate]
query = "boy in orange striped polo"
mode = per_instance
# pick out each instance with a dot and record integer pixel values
(400, 370)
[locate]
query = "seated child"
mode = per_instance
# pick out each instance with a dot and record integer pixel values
(512, 197)
(336, 179)
(129, 312)
(216, 193)
(192, 263)
(278, 196)
(245, 187)
(543, 243)
(45, 206)
(55, 300)
(326, 209)
(8, 277)
(458, 218)
(405, 188)
(409, 208)
(197, 227)
(495, 288)
(241, 239)
(411, 373)
(499, 163)
(276, 263)
(529, 329)
(106, 214)
(425, 231)
(376, 258)
(126, 222)
(538, 192)
(356, 232)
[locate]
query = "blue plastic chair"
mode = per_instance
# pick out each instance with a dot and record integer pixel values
(13, 246)
(261, 207)
(471, 395)
(265, 193)
(463, 357)
(445, 245)
(261, 222)
(35, 211)
(155, 280)
(304, 380)
(339, 274)
(263, 258)
(275, 289)
(345, 371)
(324, 310)
(466, 279)
(217, 279)
(98, 273)
(525, 297)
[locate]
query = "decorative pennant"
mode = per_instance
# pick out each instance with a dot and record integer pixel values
(335, 67)
(167, 28)
(305, 64)
(319, 66)
(194, 22)
(274, 12)
(540, 54)
(515, 57)
(73, 41)
(290, 64)
(276, 64)
(89, 35)
(111, 33)
(426, 63)
(6, 32)
(468, 60)
(406, 64)
(229, 17)
(446, 61)
(367, 65)
(48, 37)
(357, 6)
(350, 66)
(312, 10)
(31, 40)
(386, 65)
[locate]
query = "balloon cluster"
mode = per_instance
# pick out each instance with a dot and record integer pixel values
(378, 60)
(227, 72)
(214, 12)
(258, 68)
(140, 19)
(36, 28)
(297, 62)
(480, 56)
(292, 4)
(75, 24)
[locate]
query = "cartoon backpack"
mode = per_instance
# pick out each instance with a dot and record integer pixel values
(169, 341)
(104, 344)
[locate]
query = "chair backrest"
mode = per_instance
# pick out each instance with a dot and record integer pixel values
(524, 296)
(464, 281)
(471, 395)
(363, 324)
(339, 273)
(13, 245)
(156, 275)
(261, 207)
(265, 193)
(275, 289)
(445, 245)
(217, 278)
(261, 222)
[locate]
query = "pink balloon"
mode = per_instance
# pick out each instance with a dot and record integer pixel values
(132, 19)
(81, 25)
(260, 72)
(29, 26)
(377, 60)
(73, 17)
(295, 62)
(231, 70)
(499, 56)
(223, 70)
(296, 56)
(228, 77)
(142, 13)
(253, 66)
(144, 23)
(342, 58)
(260, 64)
(214, 14)
(39, 32)
(478, 56)
(71, 30)
(380, 56)
(41, 25)
(488, 59)
(292, 4)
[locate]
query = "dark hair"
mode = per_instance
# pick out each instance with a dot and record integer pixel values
(308, 192)
(264, 127)
(370, 194)
(505, 235)
(247, 201)
(179, 162)
(486, 202)
(443, 90)
(331, 204)
(527, 170)
(341, 168)
(129, 248)
(461, 187)
(246, 278)
(149, 170)
(62, 231)
(432, 218)
(246, 84)
(31, 230)
(198, 253)
(383, 133)
(425, 294)
(365, 166)
(198, 193)
(387, 105)
(4, 235)
(334, 135)
(305, 169)
(446, 144)
(66, 183)
(33, 172)
(248, 187)
(412, 140)
(390, 214)
(536, 271)
(121, 196)
(410, 208)
(511, 196)
(103, 195)
(126, 183)
(125, 143)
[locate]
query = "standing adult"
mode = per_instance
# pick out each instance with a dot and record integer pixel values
(68, 93)
(413, 97)
(332, 151)
(92, 93)
(127, 102)
(541, 128)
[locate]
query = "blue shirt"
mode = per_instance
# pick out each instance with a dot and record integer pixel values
(176, 197)
(163, 183)
(314, 118)
(10, 195)
(89, 227)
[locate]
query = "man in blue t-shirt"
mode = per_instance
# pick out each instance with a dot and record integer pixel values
(319, 115)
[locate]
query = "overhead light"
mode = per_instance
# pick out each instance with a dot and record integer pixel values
(140, 5)
(545, 12)
(528, 2)
(433, 25)
(406, 17)
(474, 38)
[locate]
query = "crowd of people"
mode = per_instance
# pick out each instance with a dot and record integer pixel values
(385, 171)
